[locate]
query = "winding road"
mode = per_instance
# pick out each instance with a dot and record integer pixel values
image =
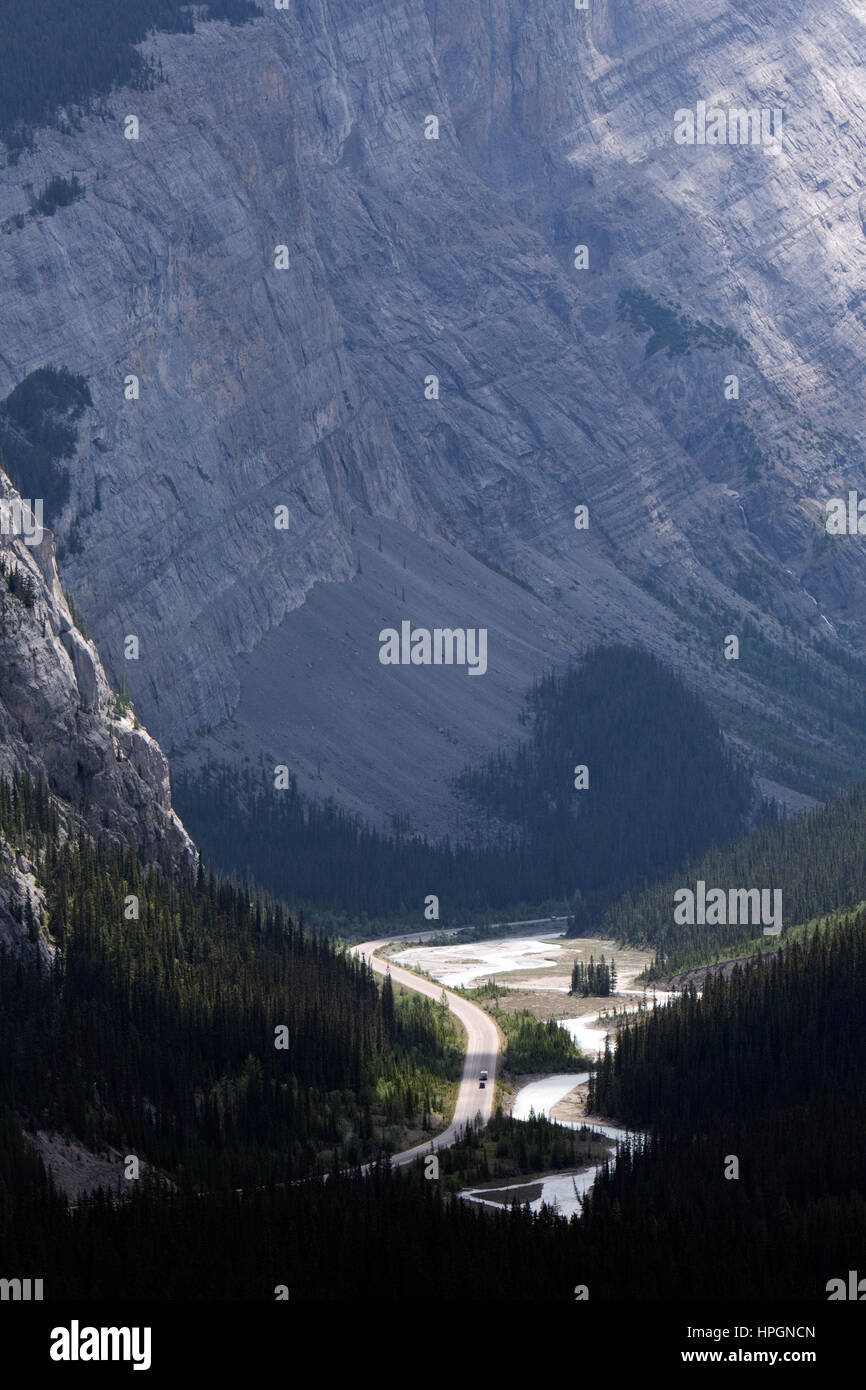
(483, 1044)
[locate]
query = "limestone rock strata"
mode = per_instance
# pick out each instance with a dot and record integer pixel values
(61, 723)
(411, 258)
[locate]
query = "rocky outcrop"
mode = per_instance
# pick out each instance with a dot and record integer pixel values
(61, 723)
(411, 258)
(22, 906)
(695, 979)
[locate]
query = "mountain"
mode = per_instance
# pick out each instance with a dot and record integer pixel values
(805, 867)
(729, 1196)
(62, 726)
(528, 836)
(413, 257)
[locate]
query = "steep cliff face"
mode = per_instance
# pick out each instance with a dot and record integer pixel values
(770, 245)
(61, 723)
(20, 892)
(411, 258)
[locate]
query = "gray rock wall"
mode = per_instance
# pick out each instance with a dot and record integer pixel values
(411, 257)
(60, 721)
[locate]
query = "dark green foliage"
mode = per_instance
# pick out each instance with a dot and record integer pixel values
(667, 1224)
(670, 330)
(76, 615)
(598, 977)
(27, 814)
(157, 1034)
(769, 1066)
(536, 1046)
(816, 860)
(649, 1232)
(507, 1148)
(38, 430)
(57, 193)
(315, 854)
(387, 1236)
(652, 749)
(778, 1031)
(62, 56)
(18, 583)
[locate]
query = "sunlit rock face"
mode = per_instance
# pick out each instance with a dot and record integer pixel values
(61, 724)
(564, 377)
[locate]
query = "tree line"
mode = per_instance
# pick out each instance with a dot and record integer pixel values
(208, 1033)
(754, 1097)
(815, 860)
(593, 977)
(155, 1034)
(56, 59)
(651, 748)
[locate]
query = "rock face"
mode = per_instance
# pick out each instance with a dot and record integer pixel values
(18, 882)
(411, 258)
(61, 723)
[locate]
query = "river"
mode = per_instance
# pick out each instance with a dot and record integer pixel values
(563, 1191)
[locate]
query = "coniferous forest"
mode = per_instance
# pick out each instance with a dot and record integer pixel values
(593, 977)
(85, 50)
(158, 1033)
(754, 1101)
(538, 839)
(153, 1034)
(816, 860)
(322, 317)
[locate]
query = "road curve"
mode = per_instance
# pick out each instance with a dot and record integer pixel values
(483, 1043)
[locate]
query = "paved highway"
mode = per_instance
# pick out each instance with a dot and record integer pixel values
(483, 1043)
